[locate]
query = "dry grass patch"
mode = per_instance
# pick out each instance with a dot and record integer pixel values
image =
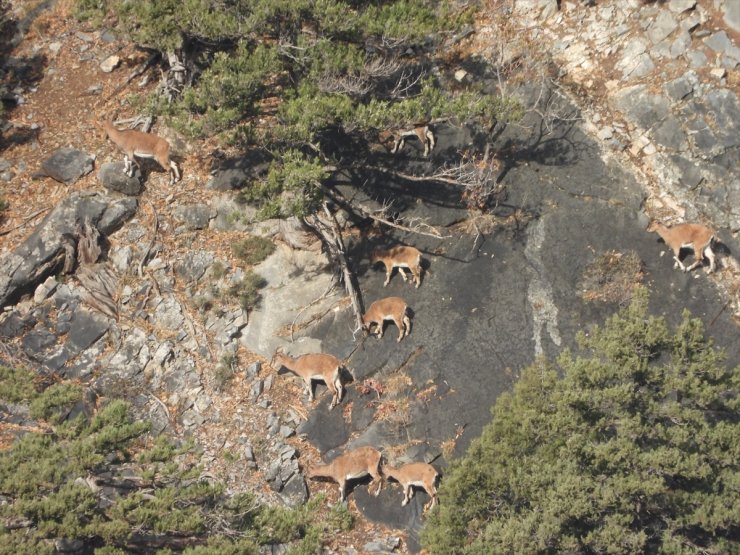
(612, 277)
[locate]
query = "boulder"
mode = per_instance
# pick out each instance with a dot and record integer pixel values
(67, 165)
(43, 253)
(113, 177)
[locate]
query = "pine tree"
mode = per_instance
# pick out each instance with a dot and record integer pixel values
(631, 447)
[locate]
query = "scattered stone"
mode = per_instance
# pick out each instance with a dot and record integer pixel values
(460, 75)
(635, 61)
(191, 419)
(720, 42)
(718, 73)
(605, 133)
(94, 90)
(55, 47)
(295, 492)
(253, 370)
(691, 22)
(732, 14)
(114, 178)
(67, 165)
(286, 431)
(195, 216)
(45, 290)
(662, 27)
(109, 64)
(38, 256)
(696, 58)
(168, 314)
(121, 258)
(680, 45)
(256, 390)
(232, 215)
(202, 402)
(84, 37)
(108, 36)
(382, 546)
(193, 265)
(679, 6)
(37, 342)
(680, 88)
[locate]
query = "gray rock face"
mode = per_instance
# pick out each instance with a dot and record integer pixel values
(295, 492)
(732, 15)
(231, 214)
(114, 178)
(696, 58)
(67, 165)
(193, 265)
(662, 27)
(679, 88)
(43, 252)
(85, 329)
(236, 173)
(541, 8)
(680, 45)
(295, 279)
(644, 108)
(678, 6)
(635, 61)
(720, 42)
(195, 216)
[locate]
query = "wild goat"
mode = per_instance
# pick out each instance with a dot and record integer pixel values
(422, 132)
(390, 308)
(419, 474)
(135, 144)
(697, 237)
(314, 366)
(354, 464)
(400, 257)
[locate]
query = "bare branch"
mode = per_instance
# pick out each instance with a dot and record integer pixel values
(416, 226)
(381, 66)
(332, 236)
(405, 83)
(357, 85)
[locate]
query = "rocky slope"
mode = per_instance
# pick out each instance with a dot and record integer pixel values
(653, 132)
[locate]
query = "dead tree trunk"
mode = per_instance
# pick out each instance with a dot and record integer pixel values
(332, 237)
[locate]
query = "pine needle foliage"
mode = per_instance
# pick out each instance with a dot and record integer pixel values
(298, 77)
(92, 486)
(631, 447)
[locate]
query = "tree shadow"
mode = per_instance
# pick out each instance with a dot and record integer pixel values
(17, 72)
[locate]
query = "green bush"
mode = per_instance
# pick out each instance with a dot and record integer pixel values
(225, 370)
(247, 290)
(253, 250)
(16, 385)
(285, 75)
(55, 401)
(630, 448)
(50, 483)
(292, 187)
